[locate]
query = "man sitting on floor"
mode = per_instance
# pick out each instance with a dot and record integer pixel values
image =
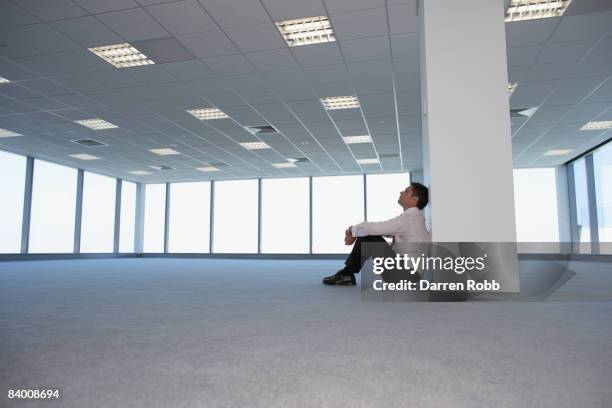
(407, 229)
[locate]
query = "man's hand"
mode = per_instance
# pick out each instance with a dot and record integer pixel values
(349, 239)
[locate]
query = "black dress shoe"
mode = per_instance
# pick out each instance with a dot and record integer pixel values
(340, 279)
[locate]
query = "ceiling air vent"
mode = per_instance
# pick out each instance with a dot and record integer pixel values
(388, 155)
(522, 112)
(162, 167)
(218, 164)
(89, 143)
(258, 130)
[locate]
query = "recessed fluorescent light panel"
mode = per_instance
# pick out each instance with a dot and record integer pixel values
(139, 172)
(512, 88)
(122, 55)
(368, 161)
(601, 125)
(340, 102)
(558, 152)
(255, 145)
(96, 124)
(162, 167)
(164, 151)
(4, 81)
(8, 133)
(306, 31)
(208, 113)
(523, 112)
(84, 156)
(208, 169)
(521, 10)
(283, 165)
(357, 139)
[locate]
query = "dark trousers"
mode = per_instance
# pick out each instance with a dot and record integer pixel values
(361, 253)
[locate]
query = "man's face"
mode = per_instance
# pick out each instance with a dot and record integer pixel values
(406, 198)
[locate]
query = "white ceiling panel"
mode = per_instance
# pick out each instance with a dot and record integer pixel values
(292, 9)
(256, 38)
(133, 25)
(209, 44)
(403, 18)
(51, 9)
(364, 49)
(97, 6)
(360, 24)
(87, 31)
(272, 60)
(183, 17)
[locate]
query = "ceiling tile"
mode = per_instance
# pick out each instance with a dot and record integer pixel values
(366, 49)
(97, 6)
(360, 24)
(272, 60)
(188, 70)
(256, 38)
(318, 54)
(236, 13)
(87, 31)
(133, 25)
(403, 19)
(564, 52)
(51, 9)
(582, 27)
(183, 17)
(12, 15)
(229, 65)
(292, 9)
(208, 44)
(531, 32)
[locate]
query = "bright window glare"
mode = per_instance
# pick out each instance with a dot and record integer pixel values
(285, 215)
(602, 164)
(535, 198)
(189, 217)
(236, 215)
(98, 216)
(383, 191)
(583, 222)
(12, 183)
(53, 208)
(128, 217)
(337, 203)
(154, 218)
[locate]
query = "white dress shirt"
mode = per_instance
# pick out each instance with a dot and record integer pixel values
(410, 235)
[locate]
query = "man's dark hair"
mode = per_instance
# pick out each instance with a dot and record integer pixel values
(422, 193)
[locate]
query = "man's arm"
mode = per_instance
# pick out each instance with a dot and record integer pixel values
(389, 227)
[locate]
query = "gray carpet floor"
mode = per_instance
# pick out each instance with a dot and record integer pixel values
(260, 333)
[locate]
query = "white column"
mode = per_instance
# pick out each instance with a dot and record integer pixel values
(467, 150)
(466, 121)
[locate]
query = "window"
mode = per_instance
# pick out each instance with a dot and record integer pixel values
(154, 218)
(382, 194)
(53, 208)
(235, 216)
(285, 215)
(189, 229)
(337, 204)
(582, 205)
(12, 184)
(535, 202)
(602, 165)
(98, 216)
(128, 217)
